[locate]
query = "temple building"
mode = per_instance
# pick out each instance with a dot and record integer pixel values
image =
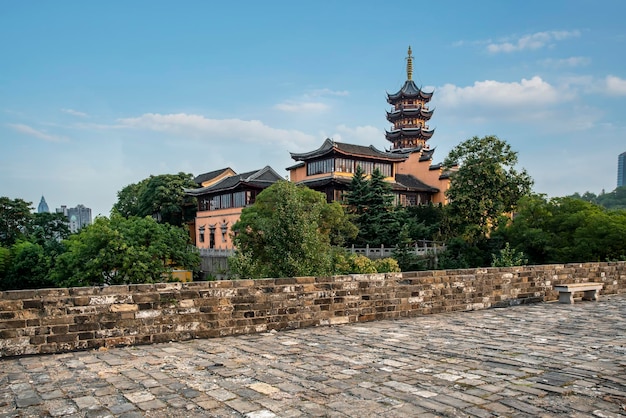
(222, 195)
(407, 164)
(409, 114)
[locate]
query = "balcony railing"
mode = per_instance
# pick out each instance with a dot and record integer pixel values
(420, 249)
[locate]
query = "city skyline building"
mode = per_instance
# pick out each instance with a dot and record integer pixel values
(77, 217)
(621, 170)
(43, 206)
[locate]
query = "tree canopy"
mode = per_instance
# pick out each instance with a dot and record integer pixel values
(485, 185)
(565, 229)
(287, 232)
(162, 197)
(120, 250)
(15, 219)
(371, 205)
(612, 200)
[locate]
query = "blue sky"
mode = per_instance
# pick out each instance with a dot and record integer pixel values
(97, 95)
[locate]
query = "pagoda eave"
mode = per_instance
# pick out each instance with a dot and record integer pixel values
(409, 133)
(409, 91)
(404, 113)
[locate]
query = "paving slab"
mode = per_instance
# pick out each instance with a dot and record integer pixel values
(545, 360)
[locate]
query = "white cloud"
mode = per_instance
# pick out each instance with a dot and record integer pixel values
(297, 107)
(310, 101)
(364, 135)
(532, 41)
(615, 86)
(187, 125)
(495, 93)
(328, 92)
(75, 113)
(567, 62)
(25, 129)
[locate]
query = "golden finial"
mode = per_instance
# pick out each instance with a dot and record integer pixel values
(409, 66)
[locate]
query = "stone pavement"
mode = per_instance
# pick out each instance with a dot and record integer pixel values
(542, 360)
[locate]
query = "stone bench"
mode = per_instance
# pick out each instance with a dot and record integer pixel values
(566, 291)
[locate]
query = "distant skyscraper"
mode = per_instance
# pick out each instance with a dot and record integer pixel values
(77, 218)
(621, 170)
(43, 206)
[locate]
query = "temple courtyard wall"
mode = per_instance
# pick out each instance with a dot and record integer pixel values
(61, 320)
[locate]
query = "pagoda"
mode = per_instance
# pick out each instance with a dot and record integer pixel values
(409, 114)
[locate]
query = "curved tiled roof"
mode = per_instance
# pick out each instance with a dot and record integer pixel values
(409, 91)
(394, 115)
(427, 154)
(325, 181)
(329, 147)
(259, 178)
(414, 184)
(420, 133)
(210, 175)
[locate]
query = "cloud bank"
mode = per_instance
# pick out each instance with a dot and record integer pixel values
(531, 42)
(27, 130)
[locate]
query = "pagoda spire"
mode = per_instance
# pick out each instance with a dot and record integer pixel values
(409, 65)
(409, 114)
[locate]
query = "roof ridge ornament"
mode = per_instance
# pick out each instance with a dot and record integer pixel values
(409, 65)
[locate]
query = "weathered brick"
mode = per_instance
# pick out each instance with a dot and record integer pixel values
(12, 324)
(32, 303)
(124, 307)
(59, 329)
(81, 300)
(61, 338)
(85, 326)
(146, 297)
(86, 336)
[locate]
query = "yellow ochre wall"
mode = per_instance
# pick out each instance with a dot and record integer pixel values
(217, 217)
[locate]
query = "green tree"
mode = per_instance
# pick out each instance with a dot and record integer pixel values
(32, 247)
(127, 203)
(355, 197)
(484, 187)
(5, 263)
(613, 200)
(371, 204)
(15, 220)
(47, 227)
(285, 233)
(29, 267)
(163, 197)
(120, 250)
(336, 224)
(562, 230)
(508, 257)
(424, 221)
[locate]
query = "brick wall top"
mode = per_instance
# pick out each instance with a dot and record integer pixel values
(57, 320)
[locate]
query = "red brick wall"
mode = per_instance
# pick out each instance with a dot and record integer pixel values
(57, 320)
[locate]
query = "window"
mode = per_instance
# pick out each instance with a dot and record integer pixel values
(368, 167)
(211, 236)
(226, 201)
(384, 168)
(319, 167)
(239, 199)
(201, 234)
(344, 165)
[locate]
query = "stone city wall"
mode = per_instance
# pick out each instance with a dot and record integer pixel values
(58, 320)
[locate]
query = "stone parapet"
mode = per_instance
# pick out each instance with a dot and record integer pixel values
(59, 320)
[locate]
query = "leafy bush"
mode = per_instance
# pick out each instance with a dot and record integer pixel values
(508, 257)
(387, 265)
